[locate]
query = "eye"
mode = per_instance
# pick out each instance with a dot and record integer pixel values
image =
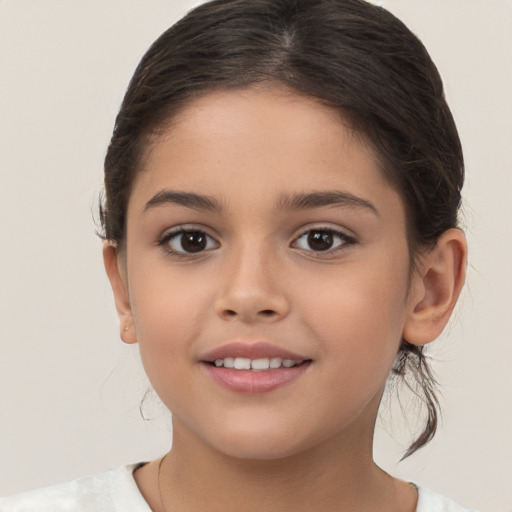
(188, 241)
(322, 240)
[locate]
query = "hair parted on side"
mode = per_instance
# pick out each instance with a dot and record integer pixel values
(353, 56)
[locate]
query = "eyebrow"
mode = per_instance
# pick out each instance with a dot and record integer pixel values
(300, 201)
(187, 199)
(319, 199)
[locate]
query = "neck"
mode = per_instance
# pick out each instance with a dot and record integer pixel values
(338, 474)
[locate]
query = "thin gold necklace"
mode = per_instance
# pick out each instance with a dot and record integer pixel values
(162, 508)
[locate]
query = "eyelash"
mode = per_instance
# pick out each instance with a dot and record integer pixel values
(343, 239)
(334, 234)
(165, 240)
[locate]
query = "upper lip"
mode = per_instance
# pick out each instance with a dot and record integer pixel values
(257, 350)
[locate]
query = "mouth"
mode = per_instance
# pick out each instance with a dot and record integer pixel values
(254, 368)
(257, 365)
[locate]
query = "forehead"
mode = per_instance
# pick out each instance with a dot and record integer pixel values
(261, 140)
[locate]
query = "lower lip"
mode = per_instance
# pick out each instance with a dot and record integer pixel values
(250, 381)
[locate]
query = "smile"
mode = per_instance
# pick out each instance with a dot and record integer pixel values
(258, 367)
(261, 364)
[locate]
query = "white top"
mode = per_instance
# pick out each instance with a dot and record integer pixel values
(116, 491)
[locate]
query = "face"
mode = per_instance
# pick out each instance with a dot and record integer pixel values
(262, 234)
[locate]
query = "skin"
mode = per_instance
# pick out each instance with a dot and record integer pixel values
(306, 445)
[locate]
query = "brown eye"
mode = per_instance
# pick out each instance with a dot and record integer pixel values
(184, 242)
(322, 240)
(193, 241)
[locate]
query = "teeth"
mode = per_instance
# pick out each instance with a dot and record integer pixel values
(275, 362)
(264, 363)
(242, 363)
(260, 364)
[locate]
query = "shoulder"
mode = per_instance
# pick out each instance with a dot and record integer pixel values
(429, 501)
(114, 491)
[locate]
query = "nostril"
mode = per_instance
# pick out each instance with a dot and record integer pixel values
(249, 315)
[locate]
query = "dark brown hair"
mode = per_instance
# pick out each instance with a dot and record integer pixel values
(353, 56)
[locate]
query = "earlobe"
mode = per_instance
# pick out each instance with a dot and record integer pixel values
(117, 277)
(436, 287)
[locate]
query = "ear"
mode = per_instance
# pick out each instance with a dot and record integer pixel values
(116, 272)
(435, 288)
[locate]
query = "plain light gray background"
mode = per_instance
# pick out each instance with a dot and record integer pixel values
(69, 388)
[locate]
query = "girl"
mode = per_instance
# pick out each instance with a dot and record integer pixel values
(280, 223)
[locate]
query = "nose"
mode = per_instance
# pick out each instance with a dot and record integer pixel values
(252, 289)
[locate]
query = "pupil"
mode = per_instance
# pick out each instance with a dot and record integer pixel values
(320, 240)
(193, 242)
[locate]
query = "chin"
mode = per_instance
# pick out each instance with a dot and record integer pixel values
(259, 442)
(260, 451)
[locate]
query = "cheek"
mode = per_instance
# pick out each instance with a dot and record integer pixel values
(358, 316)
(168, 316)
